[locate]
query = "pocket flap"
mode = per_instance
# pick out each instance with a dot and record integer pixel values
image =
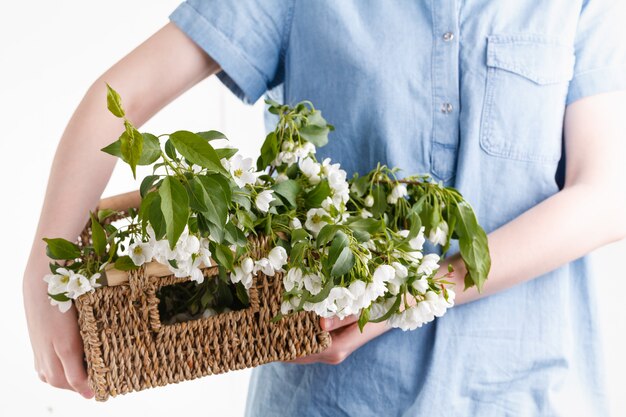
(539, 58)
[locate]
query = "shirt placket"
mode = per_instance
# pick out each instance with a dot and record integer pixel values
(446, 98)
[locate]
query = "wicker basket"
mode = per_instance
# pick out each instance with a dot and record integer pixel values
(127, 348)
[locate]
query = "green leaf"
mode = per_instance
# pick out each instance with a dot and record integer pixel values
(224, 256)
(105, 213)
(59, 248)
(473, 246)
(234, 235)
(147, 184)
(315, 134)
(225, 152)
(59, 297)
(269, 150)
(98, 236)
(175, 208)
(196, 193)
(216, 232)
(125, 263)
(197, 150)
(242, 294)
(214, 199)
(222, 182)
(297, 252)
(380, 201)
(299, 234)
(326, 234)
(315, 197)
(289, 189)
(114, 149)
(370, 226)
(211, 135)
(340, 241)
(344, 263)
(361, 236)
(364, 318)
(131, 145)
(114, 102)
(360, 185)
(151, 150)
(156, 218)
(242, 200)
(170, 151)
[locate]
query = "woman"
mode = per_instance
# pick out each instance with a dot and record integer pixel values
(485, 96)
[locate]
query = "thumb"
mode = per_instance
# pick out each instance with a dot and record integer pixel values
(332, 323)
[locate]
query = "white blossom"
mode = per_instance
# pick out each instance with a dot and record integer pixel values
(439, 235)
(304, 150)
(57, 283)
(277, 258)
(399, 278)
(310, 169)
(315, 220)
(313, 283)
(140, 253)
(78, 285)
(63, 306)
(292, 279)
(421, 285)
(295, 223)
(369, 201)
(429, 264)
(399, 191)
(263, 200)
(241, 170)
(243, 273)
(265, 266)
(93, 280)
(284, 157)
(365, 214)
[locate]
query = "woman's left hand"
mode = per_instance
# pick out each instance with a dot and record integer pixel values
(345, 339)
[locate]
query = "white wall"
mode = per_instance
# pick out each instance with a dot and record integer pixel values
(50, 52)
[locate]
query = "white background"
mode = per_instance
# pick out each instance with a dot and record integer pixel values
(50, 52)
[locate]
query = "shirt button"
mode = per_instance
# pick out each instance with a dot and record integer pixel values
(446, 108)
(448, 36)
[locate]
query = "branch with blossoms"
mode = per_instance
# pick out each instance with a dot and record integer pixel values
(345, 246)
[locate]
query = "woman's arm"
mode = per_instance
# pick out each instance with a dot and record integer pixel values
(148, 78)
(588, 213)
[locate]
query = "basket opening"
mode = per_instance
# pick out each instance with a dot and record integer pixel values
(191, 301)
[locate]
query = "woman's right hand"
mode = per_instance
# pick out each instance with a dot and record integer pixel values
(55, 339)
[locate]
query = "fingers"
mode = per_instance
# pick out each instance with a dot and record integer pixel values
(51, 372)
(74, 370)
(333, 323)
(344, 340)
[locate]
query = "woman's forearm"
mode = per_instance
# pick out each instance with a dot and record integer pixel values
(556, 231)
(80, 171)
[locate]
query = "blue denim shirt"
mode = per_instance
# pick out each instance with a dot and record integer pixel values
(472, 92)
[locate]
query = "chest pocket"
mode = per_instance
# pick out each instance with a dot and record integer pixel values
(527, 81)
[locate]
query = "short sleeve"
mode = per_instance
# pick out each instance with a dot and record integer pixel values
(600, 49)
(245, 37)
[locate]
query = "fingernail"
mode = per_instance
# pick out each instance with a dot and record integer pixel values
(327, 324)
(87, 394)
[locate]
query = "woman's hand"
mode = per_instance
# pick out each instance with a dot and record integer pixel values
(345, 339)
(56, 342)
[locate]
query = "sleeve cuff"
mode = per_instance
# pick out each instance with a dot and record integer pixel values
(238, 73)
(597, 81)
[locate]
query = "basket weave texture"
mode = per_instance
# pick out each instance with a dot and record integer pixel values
(127, 348)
